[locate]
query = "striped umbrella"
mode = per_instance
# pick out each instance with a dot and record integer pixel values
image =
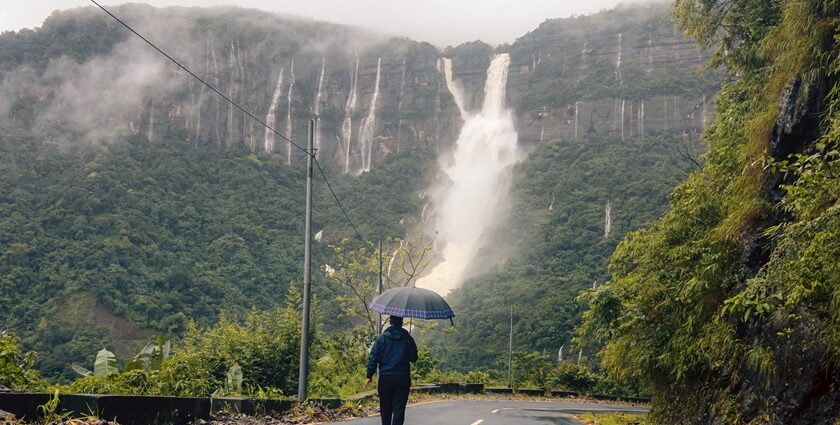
(412, 302)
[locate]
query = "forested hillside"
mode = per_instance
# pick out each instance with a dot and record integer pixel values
(136, 201)
(114, 244)
(728, 308)
(556, 242)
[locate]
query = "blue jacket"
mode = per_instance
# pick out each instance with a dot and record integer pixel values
(392, 352)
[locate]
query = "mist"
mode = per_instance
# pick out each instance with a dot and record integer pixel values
(440, 22)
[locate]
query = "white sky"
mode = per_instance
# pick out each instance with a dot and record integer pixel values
(441, 22)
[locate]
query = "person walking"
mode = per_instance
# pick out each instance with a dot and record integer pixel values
(391, 353)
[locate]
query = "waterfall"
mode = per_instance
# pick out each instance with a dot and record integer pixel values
(423, 216)
(437, 116)
(622, 119)
(216, 81)
(399, 106)
(368, 124)
(394, 258)
(577, 105)
(704, 117)
(201, 93)
(455, 89)
(485, 149)
(650, 48)
(270, 119)
(642, 118)
(542, 132)
(676, 114)
(618, 61)
(583, 53)
(318, 107)
(231, 92)
(349, 109)
(607, 219)
(289, 114)
(151, 133)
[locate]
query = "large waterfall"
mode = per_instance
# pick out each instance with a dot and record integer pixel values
(369, 125)
(349, 109)
(271, 118)
(486, 147)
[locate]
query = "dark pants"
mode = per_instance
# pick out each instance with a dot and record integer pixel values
(393, 396)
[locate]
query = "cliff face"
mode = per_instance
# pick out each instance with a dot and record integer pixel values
(621, 74)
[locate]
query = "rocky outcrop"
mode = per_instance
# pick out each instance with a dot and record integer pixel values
(623, 73)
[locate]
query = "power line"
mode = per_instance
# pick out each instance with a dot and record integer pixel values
(304, 150)
(321, 170)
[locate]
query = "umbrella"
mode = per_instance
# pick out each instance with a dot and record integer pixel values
(412, 302)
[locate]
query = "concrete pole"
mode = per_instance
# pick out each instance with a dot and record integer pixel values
(379, 322)
(303, 375)
(510, 351)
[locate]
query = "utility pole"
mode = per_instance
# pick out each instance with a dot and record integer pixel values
(510, 351)
(379, 323)
(303, 376)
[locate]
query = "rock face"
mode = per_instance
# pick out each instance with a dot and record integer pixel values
(621, 73)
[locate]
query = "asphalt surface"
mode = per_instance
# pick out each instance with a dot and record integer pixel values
(500, 412)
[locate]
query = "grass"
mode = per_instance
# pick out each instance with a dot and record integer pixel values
(613, 419)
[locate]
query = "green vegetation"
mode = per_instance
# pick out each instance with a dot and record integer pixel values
(730, 301)
(257, 354)
(16, 368)
(113, 244)
(554, 246)
(613, 419)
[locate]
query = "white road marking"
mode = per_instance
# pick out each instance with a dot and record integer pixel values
(477, 422)
(495, 411)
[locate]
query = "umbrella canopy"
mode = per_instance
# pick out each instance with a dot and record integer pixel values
(412, 302)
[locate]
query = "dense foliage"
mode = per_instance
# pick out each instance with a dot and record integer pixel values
(16, 368)
(554, 244)
(115, 243)
(728, 308)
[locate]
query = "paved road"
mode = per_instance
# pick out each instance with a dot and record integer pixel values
(499, 412)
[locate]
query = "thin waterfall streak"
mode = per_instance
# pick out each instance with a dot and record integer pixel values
(622, 119)
(607, 219)
(289, 113)
(317, 110)
(453, 87)
(201, 92)
(271, 118)
(400, 106)
(618, 61)
(349, 109)
(642, 119)
(369, 124)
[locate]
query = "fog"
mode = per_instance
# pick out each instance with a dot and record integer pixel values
(441, 22)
